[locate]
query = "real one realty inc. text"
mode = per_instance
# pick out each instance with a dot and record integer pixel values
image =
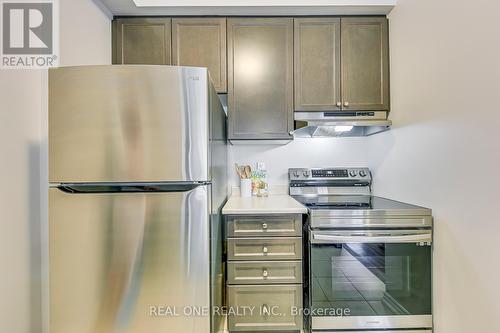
(264, 310)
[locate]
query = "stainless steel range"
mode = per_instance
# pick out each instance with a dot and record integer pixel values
(370, 258)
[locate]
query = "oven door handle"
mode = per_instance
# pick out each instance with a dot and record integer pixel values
(341, 239)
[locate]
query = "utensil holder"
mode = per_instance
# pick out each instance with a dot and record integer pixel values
(245, 187)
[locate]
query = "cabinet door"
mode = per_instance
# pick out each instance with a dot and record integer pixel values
(317, 64)
(264, 272)
(144, 41)
(365, 63)
(277, 248)
(201, 42)
(260, 58)
(271, 308)
(264, 226)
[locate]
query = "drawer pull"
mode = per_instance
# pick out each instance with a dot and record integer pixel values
(264, 273)
(265, 250)
(264, 226)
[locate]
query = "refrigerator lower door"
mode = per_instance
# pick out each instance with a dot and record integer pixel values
(129, 262)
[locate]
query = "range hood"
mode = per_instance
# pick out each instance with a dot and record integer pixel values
(340, 123)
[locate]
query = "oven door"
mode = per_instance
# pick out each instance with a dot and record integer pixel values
(377, 279)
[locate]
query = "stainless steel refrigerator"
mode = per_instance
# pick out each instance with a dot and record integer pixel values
(137, 172)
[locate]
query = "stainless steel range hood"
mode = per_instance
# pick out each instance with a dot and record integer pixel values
(340, 123)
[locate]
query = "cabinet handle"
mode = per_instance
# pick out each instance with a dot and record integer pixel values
(346, 104)
(264, 225)
(264, 273)
(265, 250)
(339, 104)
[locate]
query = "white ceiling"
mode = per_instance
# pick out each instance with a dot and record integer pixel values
(245, 7)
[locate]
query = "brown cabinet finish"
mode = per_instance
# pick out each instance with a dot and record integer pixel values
(270, 67)
(365, 63)
(317, 64)
(201, 42)
(264, 226)
(279, 248)
(114, 32)
(142, 41)
(263, 299)
(264, 270)
(260, 78)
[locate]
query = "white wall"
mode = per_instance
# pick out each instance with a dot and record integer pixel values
(444, 150)
(305, 152)
(85, 38)
(20, 133)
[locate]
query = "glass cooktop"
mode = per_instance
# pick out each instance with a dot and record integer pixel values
(356, 202)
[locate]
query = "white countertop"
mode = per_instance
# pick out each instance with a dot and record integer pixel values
(273, 204)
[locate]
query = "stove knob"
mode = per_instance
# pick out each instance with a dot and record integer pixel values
(296, 174)
(362, 173)
(306, 174)
(353, 173)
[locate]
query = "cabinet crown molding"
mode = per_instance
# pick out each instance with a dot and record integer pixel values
(247, 8)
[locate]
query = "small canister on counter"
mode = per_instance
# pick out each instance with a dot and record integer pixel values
(245, 187)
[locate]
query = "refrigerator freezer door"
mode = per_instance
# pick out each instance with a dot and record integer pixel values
(128, 124)
(129, 263)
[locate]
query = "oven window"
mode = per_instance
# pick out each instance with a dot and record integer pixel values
(371, 279)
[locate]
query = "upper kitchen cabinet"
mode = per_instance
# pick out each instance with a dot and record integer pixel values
(341, 64)
(317, 64)
(201, 42)
(260, 78)
(365, 63)
(142, 41)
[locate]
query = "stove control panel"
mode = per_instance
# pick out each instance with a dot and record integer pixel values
(329, 174)
(334, 173)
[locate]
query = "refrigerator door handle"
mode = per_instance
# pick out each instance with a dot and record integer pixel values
(77, 188)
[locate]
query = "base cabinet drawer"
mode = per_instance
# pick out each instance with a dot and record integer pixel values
(282, 248)
(268, 308)
(264, 226)
(264, 272)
